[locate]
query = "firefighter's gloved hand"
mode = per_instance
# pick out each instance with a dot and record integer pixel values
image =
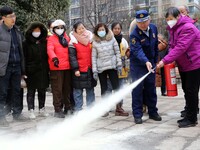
(56, 62)
(95, 76)
(119, 70)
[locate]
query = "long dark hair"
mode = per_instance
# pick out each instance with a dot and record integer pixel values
(98, 26)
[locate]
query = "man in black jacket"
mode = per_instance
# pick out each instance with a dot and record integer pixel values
(11, 65)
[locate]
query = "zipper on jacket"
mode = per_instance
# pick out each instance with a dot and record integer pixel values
(13, 49)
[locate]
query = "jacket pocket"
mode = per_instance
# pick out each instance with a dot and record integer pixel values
(188, 57)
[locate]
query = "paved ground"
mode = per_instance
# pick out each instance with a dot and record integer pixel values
(119, 133)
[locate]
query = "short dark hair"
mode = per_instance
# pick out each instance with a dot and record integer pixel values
(114, 24)
(75, 26)
(98, 26)
(0, 17)
(50, 21)
(172, 11)
(6, 10)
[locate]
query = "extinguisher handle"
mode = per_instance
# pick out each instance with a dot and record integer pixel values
(152, 70)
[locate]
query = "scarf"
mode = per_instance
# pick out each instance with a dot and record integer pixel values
(84, 38)
(118, 38)
(62, 40)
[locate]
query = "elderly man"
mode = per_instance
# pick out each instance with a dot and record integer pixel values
(143, 57)
(11, 65)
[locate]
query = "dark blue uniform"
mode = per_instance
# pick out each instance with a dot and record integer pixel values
(143, 48)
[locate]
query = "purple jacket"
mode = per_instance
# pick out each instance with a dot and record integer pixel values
(184, 45)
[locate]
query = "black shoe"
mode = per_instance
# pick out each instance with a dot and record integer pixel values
(4, 123)
(178, 121)
(138, 120)
(59, 114)
(187, 123)
(70, 111)
(20, 118)
(183, 113)
(163, 94)
(181, 120)
(65, 111)
(155, 117)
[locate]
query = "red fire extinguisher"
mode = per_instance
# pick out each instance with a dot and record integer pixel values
(170, 79)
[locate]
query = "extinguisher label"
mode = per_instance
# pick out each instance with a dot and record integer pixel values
(173, 80)
(172, 72)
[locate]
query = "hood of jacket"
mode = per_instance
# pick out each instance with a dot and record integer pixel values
(181, 21)
(108, 37)
(43, 35)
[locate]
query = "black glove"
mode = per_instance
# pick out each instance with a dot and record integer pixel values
(56, 62)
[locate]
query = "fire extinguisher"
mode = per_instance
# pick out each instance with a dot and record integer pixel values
(170, 79)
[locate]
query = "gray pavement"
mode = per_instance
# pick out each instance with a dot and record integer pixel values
(119, 133)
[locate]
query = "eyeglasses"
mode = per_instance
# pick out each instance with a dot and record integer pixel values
(59, 27)
(11, 16)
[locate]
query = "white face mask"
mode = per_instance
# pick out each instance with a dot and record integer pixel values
(36, 34)
(101, 33)
(59, 31)
(171, 23)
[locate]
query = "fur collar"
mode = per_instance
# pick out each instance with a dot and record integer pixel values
(108, 37)
(29, 31)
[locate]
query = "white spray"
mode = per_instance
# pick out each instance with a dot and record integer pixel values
(63, 135)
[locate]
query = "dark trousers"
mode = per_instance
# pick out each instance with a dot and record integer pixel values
(31, 98)
(163, 85)
(8, 107)
(61, 88)
(113, 76)
(11, 80)
(190, 85)
(144, 93)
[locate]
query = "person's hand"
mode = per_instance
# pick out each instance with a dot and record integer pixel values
(56, 62)
(119, 70)
(24, 77)
(127, 53)
(149, 66)
(77, 73)
(160, 64)
(95, 76)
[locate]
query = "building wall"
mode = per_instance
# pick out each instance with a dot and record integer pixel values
(92, 12)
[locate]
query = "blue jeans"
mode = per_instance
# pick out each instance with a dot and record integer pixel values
(78, 97)
(11, 80)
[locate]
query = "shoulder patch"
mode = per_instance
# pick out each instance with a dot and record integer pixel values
(133, 41)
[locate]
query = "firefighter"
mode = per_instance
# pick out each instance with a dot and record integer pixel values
(143, 57)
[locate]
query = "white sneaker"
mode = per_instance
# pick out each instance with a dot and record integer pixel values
(43, 113)
(31, 114)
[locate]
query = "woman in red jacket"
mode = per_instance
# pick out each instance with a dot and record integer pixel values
(60, 74)
(80, 51)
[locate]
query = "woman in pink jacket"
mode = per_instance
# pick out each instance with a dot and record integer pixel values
(185, 50)
(60, 74)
